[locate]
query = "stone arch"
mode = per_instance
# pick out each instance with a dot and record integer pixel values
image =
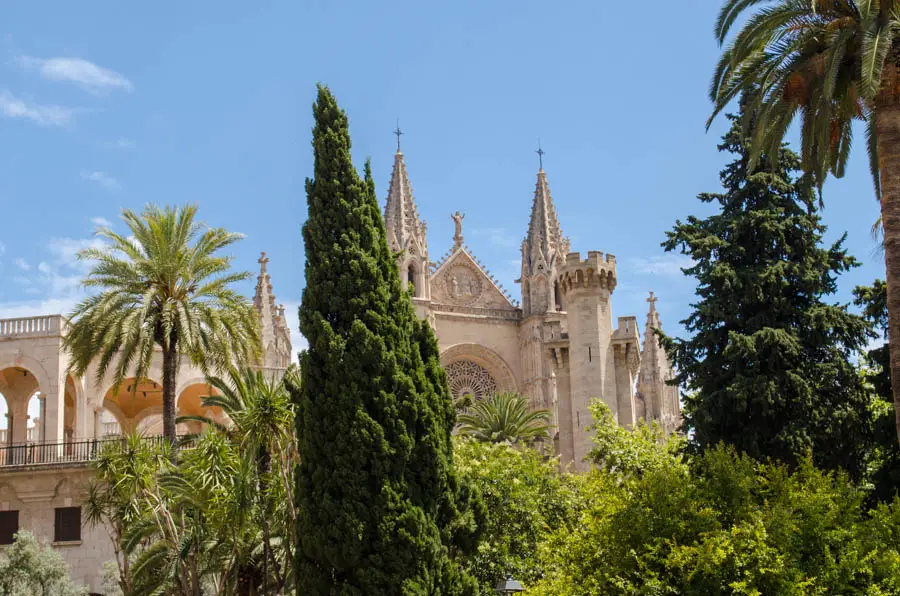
(23, 379)
(189, 402)
(115, 411)
(412, 274)
(18, 360)
(492, 363)
(132, 401)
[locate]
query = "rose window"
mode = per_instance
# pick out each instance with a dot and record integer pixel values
(468, 378)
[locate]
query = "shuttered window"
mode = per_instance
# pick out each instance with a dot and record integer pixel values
(9, 525)
(68, 524)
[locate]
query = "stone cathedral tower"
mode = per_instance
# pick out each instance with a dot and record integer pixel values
(559, 348)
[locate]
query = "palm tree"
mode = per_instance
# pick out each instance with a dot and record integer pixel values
(166, 287)
(260, 422)
(830, 62)
(504, 417)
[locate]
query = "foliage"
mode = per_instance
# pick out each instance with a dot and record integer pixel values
(504, 417)
(163, 285)
(125, 470)
(885, 457)
(260, 415)
(769, 368)
(526, 498)
(623, 452)
(380, 509)
(217, 519)
(33, 569)
(830, 62)
(823, 61)
(720, 524)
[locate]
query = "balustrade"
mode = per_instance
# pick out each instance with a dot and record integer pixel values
(42, 326)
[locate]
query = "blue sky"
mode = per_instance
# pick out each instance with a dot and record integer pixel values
(105, 105)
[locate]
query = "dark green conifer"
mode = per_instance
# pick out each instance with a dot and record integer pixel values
(769, 365)
(884, 462)
(378, 499)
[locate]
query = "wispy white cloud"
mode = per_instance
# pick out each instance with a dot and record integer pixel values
(500, 237)
(120, 144)
(104, 180)
(65, 251)
(101, 221)
(22, 264)
(87, 75)
(2, 249)
(44, 115)
(668, 264)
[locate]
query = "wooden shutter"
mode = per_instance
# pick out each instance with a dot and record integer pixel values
(9, 525)
(68, 524)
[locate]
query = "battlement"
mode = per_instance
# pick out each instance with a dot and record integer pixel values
(627, 331)
(596, 271)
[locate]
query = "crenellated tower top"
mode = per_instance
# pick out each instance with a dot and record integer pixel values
(597, 271)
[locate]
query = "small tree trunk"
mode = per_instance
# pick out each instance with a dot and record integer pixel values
(169, 374)
(887, 121)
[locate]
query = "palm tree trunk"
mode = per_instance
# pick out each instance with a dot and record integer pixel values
(887, 122)
(169, 374)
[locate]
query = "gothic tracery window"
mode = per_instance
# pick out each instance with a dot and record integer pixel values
(468, 378)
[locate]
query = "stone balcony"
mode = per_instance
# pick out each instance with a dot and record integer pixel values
(35, 455)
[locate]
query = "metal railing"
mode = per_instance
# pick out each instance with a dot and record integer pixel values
(48, 454)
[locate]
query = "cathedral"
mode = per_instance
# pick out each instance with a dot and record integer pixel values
(559, 347)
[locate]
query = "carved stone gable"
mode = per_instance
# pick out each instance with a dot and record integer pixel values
(460, 281)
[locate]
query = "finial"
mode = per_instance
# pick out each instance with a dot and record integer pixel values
(652, 300)
(398, 132)
(457, 237)
(263, 259)
(540, 153)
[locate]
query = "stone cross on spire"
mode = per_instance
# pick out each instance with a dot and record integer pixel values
(652, 300)
(398, 133)
(540, 153)
(263, 259)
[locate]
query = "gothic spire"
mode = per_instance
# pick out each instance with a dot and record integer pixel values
(653, 361)
(274, 333)
(264, 301)
(401, 217)
(660, 400)
(544, 245)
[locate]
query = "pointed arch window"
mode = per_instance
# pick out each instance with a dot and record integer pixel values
(412, 278)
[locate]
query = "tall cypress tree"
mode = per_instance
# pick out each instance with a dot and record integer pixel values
(377, 493)
(769, 366)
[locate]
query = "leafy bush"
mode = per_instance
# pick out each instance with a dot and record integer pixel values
(721, 523)
(34, 569)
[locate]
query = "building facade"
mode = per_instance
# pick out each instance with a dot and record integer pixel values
(44, 461)
(560, 346)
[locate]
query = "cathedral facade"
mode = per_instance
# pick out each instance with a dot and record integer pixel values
(559, 347)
